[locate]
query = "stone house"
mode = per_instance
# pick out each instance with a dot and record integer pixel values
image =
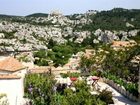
(12, 74)
(11, 65)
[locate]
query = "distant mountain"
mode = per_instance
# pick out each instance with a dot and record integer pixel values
(7, 16)
(114, 19)
(37, 15)
(90, 28)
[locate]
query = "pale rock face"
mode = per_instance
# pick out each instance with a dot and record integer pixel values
(30, 37)
(95, 41)
(41, 47)
(71, 39)
(24, 47)
(98, 32)
(123, 33)
(124, 38)
(2, 35)
(68, 30)
(79, 40)
(129, 25)
(111, 36)
(9, 48)
(104, 38)
(83, 21)
(115, 37)
(133, 33)
(99, 38)
(60, 40)
(81, 36)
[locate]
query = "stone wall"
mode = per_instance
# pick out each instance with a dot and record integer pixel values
(121, 90)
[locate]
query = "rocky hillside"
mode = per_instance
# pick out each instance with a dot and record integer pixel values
(33, 32)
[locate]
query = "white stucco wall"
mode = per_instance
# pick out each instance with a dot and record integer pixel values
(14, 90)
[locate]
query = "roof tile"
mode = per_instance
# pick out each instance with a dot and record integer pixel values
(10, 64)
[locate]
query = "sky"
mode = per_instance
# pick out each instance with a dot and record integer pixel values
(26, 7)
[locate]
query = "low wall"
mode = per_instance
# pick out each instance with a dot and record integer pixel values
(121, 90)
(56, 72)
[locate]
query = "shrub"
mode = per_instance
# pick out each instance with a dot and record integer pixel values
(39, 88)
(3, 99)
(106, 96)
(65, 75)
(93, 72)
(81, 97)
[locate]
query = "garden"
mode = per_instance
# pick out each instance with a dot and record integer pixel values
(41, 89)
(115, 66)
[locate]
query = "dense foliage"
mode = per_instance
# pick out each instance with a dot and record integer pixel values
(39, 88)
(65, 75)
(82, 96)
(136, 38)
(118, 63)
(59, 53)
(38, 15)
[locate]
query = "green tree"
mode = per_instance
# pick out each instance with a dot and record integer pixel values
(51, 43)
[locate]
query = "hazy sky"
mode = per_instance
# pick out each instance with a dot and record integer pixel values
(25, 7)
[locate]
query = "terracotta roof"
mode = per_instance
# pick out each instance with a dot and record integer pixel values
(123, 43)
(11, 64)
(9, 76)
(120, 43)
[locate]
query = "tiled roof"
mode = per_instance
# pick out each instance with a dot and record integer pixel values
(11, 64)
(123, 43)
(120, 43)
(9, 76)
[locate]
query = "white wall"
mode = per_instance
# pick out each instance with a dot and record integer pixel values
(14, 90)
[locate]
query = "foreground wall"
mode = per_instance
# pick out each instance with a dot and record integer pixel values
(13, 88)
